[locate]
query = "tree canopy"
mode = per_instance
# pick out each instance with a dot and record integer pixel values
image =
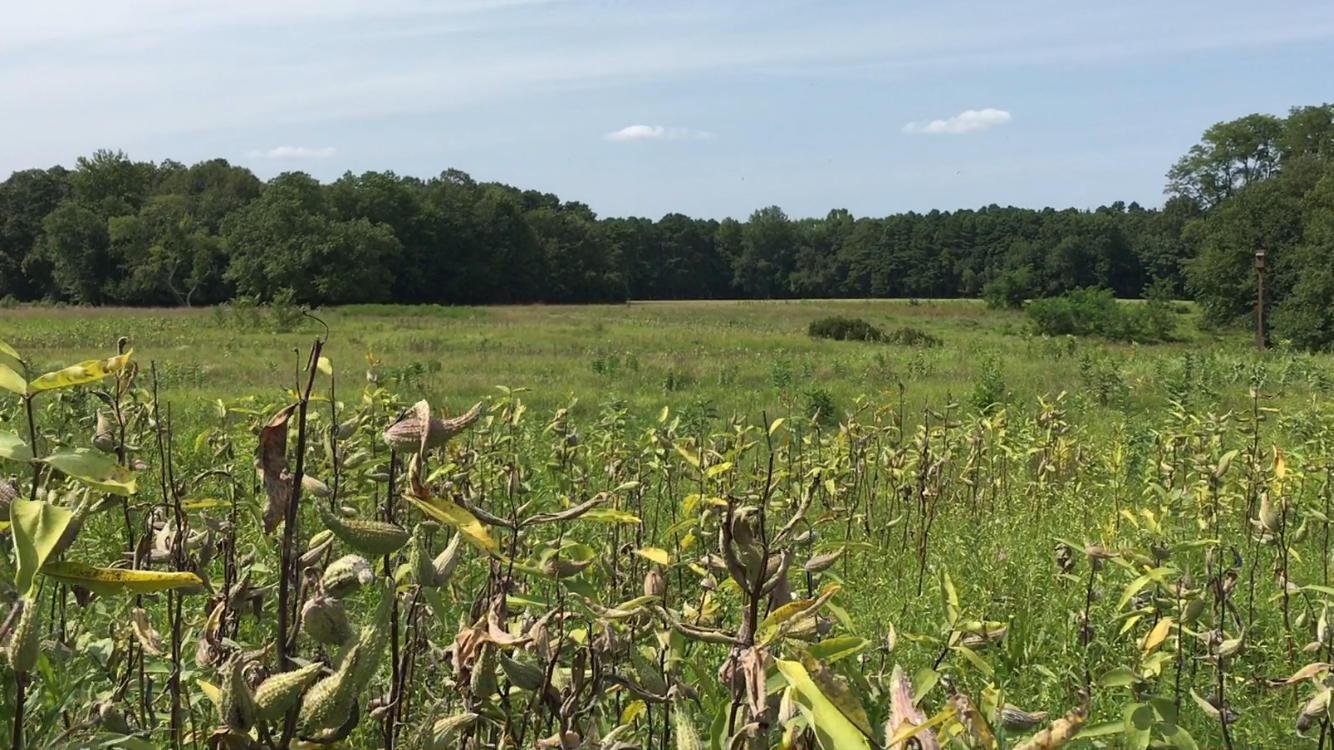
(114, 231)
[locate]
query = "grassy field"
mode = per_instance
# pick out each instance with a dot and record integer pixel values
(1190, 481)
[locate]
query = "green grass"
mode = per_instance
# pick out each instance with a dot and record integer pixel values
(1092, 442)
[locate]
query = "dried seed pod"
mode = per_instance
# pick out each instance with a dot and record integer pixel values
(1016, 719)
(25, 641)
(824, 561)
(406, 436)
(447, 729)
(373, 538)
(280, 692)
(315, 487)
(325, 621)
(654, 583)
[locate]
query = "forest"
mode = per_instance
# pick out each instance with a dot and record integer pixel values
(115, 231)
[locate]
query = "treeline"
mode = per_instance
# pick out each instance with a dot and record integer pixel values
(117, 231)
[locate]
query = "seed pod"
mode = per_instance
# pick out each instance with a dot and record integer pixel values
(356, 459)
(325, 621)
(420, 561)
(25, 642)
(483, 684)
(346, 574)
(447, 729)
(1269, 518)
(345, 429)
(445, 561)
(523, 676)
(280, 692)
(327, 705)
(373, 538)
(406, 434)
(1016, 719)
(315, 486)
(1301, 533)
(686, 736)
(654, 583)
(236, 704)
(823, 562)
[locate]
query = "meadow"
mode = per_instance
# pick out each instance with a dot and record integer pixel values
(671, 524)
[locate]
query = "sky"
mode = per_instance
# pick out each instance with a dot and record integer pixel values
(710, 108)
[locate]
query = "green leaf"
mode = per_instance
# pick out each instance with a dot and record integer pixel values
(113, 581)
(833, 730)
(446, 511)
(833, 649)
(37, 528)
(977, 661)
(1177, 736)
(610, 515)
(1118, 677)
(84, 372)
(1101, 730)
(12, 381)
(13, 448)
(1138, 725)
(655, 554)
(94, 469)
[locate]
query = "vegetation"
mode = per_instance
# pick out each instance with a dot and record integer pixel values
(840, 328)
(752, 560)
(113, 231)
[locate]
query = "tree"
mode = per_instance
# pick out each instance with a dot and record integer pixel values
(25, 200)
(1229, 156)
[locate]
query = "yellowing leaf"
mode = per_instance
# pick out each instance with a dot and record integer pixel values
(12, 381)
(687, 455)
(324, 365)
(84, 372)
(784, 617)
(13, 448)
(910, 730)
(37, 528)
(718, 469)
(94, 469)
(446, 511)
(1307, 672)
(1157, 635)
(1280, 466)
(112, 581)
(833, 730)
(209, 690)
(654, 554)
(776, 424)
(633, 711)
(8, 351)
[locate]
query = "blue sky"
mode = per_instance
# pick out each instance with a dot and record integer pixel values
(721, 107)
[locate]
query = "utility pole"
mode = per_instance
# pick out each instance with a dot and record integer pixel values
(1260, 300)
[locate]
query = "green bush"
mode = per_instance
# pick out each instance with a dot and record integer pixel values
(909, 336)
(1095, 312)
(1010, 290)
(839, 328)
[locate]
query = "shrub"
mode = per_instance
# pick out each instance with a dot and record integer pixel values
(1010, 290)
(908, 336)
(820, 406)
(839, 328)
(1095, 312)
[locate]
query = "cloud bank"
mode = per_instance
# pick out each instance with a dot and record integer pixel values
(295, 152)
(971, 121)
(654, 133)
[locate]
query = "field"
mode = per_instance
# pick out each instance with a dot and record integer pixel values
(1010, 519)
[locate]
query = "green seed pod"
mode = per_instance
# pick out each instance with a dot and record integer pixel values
(445, 562)
(523, 676)
(420, 561)
(483, 683)
(280, 692)
(236, 704)
(373, 538)
(327, 705)
(25, 640)
(325, 621)
(686, 736)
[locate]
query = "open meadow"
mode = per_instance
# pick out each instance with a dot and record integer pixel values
(670, 524)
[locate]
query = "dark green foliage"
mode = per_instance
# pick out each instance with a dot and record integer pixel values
(820, 406)
(989, 391)
(840, 328)
(114, 231)
(909, 336)
(1095, 312)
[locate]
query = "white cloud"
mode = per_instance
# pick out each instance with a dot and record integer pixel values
(971, 121)
(654, 133)
(295, 152)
